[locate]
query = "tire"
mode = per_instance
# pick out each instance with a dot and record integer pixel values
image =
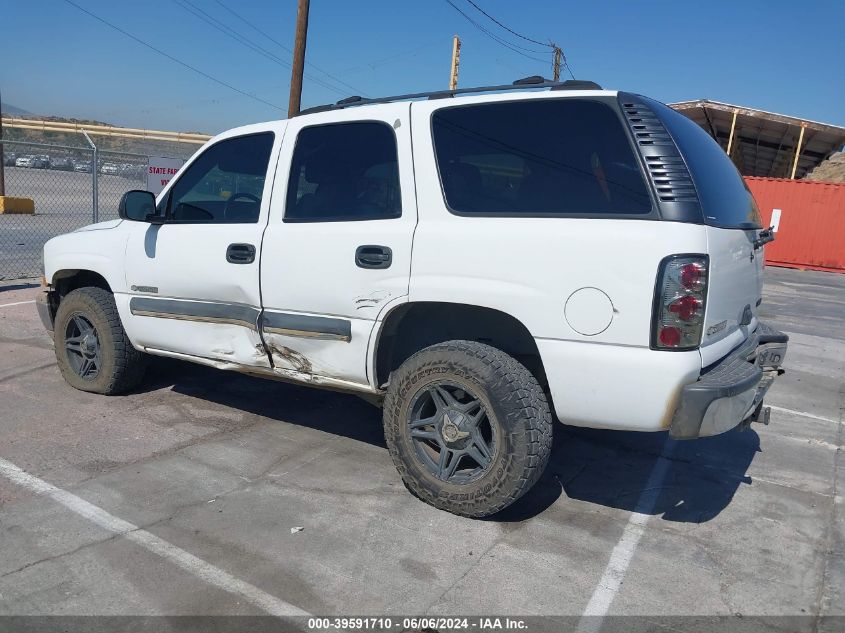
(117, 367)
(510, 415)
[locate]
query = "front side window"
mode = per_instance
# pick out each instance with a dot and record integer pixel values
(225, 184)
(538, 157)
(344, 172)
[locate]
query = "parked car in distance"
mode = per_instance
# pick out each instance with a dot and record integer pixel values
(82, 166)
(40, 161)
(9, 159)
(61, 164)
(128, 170)
(25, 161)
(574, 252)
(109, 168)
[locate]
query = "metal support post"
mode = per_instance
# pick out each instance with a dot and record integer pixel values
(95, 211)
(731, 137)
(797, 153)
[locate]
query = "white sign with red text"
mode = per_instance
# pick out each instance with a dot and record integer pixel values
(159, 172)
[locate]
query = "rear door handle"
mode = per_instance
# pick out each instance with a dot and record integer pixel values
(373, 256)
(240, 254)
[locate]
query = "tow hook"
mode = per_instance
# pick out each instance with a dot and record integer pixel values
(761, 415)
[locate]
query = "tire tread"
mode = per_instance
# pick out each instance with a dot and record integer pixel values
(525, 403)
(129, 365)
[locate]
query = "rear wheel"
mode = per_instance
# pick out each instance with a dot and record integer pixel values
(468, 427)
(92, 349)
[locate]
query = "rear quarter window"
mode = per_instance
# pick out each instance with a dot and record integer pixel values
(536, 158)
(725, 198)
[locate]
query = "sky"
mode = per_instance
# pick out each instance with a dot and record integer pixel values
(774, 55)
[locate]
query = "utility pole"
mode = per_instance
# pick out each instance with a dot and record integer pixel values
(556, 63)
(456, 61)
(298, 58)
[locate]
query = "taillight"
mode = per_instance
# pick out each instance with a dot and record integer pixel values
(679, 301)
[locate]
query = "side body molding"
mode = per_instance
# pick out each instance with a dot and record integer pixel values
(232, 314)
(289, 324)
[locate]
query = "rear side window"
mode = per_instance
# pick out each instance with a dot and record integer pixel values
(344, 172)
(538, 157)
(725, 199)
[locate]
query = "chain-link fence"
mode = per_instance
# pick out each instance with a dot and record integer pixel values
(71, 187)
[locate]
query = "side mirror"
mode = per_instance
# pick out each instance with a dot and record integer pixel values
(137, 205)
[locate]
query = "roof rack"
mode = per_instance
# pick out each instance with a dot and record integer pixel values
(526, 83)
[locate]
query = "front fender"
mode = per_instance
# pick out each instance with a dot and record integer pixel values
(101, 251)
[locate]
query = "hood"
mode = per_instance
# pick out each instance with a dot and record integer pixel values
(100, 226)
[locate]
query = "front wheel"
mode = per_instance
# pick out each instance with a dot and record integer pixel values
(468, 427)
(92, 349)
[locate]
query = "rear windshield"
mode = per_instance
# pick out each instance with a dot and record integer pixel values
(538, 157)
(724, 196)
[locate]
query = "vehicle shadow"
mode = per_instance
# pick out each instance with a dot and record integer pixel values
(648, 473)
(690, 481)
(341, 414)
(18, 286)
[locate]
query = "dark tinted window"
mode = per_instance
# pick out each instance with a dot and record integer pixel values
(724, 196)
(225, 184)
(545, 156)
(344, 171)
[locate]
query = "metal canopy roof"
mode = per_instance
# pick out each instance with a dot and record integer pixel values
(764, 143)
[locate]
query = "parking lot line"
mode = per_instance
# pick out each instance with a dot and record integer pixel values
(804, 415)
(622, 554)
(188, 562)
(17, 303)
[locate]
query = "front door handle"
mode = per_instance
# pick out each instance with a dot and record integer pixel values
(240, 254)
(373, 256)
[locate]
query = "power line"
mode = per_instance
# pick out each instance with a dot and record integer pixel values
(504, 43)
(228, 30)
(285, 48)
(386, 60)
(196, 11)
(173, 59)
(510, 30)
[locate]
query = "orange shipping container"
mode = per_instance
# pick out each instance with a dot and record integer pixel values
(811, 230)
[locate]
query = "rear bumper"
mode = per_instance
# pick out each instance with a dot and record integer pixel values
(731, 392)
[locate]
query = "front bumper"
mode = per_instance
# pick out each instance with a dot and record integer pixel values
(731, 392)
(42, 303)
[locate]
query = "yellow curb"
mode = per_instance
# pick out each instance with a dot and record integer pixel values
(8, 204)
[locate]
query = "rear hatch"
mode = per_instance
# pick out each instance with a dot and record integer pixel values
(732, 223)
(734, 290)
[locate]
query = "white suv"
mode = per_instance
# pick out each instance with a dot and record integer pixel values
(481, 261)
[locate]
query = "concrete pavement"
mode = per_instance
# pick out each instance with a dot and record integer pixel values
(221, 467)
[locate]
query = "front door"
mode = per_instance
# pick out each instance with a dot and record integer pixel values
(337, 249)
(194, 280)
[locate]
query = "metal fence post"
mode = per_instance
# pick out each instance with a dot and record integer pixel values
(95, 193)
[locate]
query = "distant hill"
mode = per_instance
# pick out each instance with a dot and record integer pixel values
(9, 109)
(831, 170)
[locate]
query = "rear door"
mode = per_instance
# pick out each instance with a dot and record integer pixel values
(732, 223)
(337, 250)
